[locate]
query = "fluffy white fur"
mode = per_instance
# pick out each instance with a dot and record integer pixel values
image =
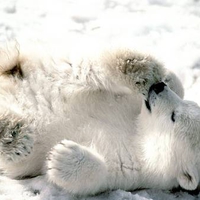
(83, 122)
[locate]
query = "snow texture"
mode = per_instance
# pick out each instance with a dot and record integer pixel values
(169, 30)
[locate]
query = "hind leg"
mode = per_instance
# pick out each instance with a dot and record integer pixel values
(76, 168)
(16, 138)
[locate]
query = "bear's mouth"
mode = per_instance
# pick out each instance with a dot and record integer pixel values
(148, 105)
(147, 101)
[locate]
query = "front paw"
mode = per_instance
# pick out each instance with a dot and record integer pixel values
(142, 72)
(16, 141)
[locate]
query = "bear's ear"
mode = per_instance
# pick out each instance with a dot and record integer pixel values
(188, 177)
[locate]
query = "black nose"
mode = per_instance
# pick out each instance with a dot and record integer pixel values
(158, 87)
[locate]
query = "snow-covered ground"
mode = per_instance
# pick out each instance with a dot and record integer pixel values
(170, 30)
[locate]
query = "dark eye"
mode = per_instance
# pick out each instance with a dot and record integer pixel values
(173, 116)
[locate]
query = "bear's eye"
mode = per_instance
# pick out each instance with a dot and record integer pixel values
(137, 83)
(173, 116)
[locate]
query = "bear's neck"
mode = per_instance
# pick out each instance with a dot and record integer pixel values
(157, 156)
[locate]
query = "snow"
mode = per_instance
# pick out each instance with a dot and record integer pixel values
(38, 189)
(167, 29)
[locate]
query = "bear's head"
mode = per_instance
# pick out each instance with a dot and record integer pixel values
(172, 128)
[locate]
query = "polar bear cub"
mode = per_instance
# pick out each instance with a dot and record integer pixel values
(96, 123)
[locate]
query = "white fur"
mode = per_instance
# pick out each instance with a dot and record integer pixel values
(83, 122)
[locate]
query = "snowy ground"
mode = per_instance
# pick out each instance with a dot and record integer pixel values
(170, 30)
